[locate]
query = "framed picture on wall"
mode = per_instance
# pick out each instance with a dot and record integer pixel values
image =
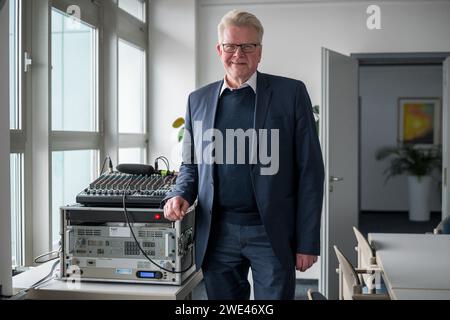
(419, 121)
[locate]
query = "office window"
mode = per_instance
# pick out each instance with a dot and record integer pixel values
(131, 88)
(74, 75)
(131, 155)
(72, 171)
(15, 122)
(134, 7)
(17, 205)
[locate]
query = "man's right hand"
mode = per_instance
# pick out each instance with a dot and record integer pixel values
(175, 208)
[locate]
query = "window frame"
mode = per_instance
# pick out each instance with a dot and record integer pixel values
(61, 141)
(129, 16)
(19, 219)
(36, 140)
(96, 46)
(18, 136)
(135, 32)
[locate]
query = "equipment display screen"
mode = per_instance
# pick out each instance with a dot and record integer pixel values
(145, 274)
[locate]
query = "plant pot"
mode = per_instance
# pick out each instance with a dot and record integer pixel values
(419, 198)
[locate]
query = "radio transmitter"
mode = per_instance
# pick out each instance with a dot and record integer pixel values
(108, 244)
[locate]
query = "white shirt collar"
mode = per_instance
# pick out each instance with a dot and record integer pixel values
(250, 82)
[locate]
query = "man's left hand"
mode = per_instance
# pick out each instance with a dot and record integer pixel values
(304, 261)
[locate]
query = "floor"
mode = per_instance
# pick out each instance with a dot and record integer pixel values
(387, 222)
(301, 288)
(395, 222)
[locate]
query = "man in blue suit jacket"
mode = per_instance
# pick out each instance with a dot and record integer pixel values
(251, 213)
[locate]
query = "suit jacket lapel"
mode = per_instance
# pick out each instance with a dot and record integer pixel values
(210, 116)
(263, 96)
(211, 108)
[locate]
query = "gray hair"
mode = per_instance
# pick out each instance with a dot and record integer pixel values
(240, 19)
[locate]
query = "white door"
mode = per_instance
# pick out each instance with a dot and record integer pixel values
(446, 139)
(339, 132)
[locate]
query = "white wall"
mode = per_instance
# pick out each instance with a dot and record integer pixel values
(172, 71)
(295, 31)
(5, 211)
(380, 87)
(183, 37)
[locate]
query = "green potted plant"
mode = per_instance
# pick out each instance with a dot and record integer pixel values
(179, 124)
(418, 162)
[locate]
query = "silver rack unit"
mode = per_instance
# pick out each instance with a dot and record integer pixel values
(97, 245)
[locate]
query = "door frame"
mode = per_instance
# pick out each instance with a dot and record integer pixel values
(373, 59)
(329, 228)
(415, 59)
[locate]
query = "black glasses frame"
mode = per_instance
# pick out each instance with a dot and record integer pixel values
(236, 46)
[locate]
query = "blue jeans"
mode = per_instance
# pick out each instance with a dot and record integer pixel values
(232, 250)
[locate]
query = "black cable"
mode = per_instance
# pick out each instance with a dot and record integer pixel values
(47, 278)
(110, 165)
(103, 165)
(165, 160)
(46, 254)
(137, 242)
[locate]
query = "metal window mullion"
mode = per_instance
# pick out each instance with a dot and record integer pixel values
(50, 121)
(143, 92)
(100, 84)
(74, 140)
(110, 75)
(131, 37)
(89, 9)
(21, 222)
(128, 16)
(22, 76)
(40, 104)
(13, 202)
(63, 92)
(130, 140)
(17, 52)
(17, 141)
(147, 81)
(94, 69)
(17, 202)
(27, 15)
(132, 30)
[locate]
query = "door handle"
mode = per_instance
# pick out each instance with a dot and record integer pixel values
(336, 179)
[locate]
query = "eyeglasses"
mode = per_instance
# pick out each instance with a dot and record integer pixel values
(245, 47)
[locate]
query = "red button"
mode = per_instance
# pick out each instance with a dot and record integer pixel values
(157, 216)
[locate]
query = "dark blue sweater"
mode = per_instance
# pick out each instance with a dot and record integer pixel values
(233, 193)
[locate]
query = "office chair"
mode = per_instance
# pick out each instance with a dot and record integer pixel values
(315, 295)
(366, 254)
(350, 284)
(366, 258)
(443, 227)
